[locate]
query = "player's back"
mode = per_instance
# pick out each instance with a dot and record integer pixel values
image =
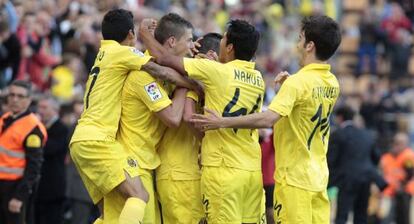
(102, 100)
(233, 89)
(303, 134)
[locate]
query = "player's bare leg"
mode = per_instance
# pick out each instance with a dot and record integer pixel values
(136, 198)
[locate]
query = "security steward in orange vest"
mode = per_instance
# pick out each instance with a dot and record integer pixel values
(22, 137)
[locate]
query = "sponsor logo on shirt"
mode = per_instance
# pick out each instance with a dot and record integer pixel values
(138, 52)
(153, 91)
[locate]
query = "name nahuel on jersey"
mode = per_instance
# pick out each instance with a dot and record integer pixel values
(248, 78)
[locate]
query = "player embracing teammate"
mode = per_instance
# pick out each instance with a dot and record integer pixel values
(117, 165)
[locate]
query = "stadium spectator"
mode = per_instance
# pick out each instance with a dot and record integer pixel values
(370, 35)
(9, 53)
(37, 60)
(398, 27)
(397, 166)
(52, 184)
(7, 8)
(22, 138)
(408, 6)
(351, 157)
(65, 76)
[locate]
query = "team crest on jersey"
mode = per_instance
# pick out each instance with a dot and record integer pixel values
(153, 91)
(136, 51)
(132, 162)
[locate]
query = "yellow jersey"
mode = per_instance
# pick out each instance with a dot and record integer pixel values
(233, 89)
(140, 130)
(102, 100)
(305, 102)
(178, 151)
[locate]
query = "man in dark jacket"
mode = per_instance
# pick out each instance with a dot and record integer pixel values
(351, 159)
(51, 192)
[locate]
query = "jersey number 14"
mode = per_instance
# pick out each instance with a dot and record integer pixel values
(321, 123)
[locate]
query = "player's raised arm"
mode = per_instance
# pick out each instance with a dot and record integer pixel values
(161, 55)
(171, 116)
(169, 74)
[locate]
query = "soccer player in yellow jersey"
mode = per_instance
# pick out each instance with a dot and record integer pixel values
(300, 115)
(178, 176)
(231, 179)
(102, 162)
(147, 111)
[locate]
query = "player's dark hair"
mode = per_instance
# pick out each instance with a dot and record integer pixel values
(346, 112)
(171, 25)
(116, 25)
(210, 41)
(23, 84)
(324, 32)
(244, 37)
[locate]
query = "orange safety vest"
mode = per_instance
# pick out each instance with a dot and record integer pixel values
(12, 149)
(393, 169)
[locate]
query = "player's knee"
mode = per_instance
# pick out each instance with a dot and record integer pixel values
(133, 187)
(140, 192)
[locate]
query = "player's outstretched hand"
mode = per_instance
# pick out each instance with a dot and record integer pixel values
(213, 56)
(196, 46)
(201, 55)
(210, 121)
(149, 25)
(281, 77)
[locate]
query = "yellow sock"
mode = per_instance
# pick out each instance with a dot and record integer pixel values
(98, 221)
(133, 211)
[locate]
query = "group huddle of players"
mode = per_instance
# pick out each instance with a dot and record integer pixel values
(138, 142)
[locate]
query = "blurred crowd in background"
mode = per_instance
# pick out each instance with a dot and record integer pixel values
(53, 43)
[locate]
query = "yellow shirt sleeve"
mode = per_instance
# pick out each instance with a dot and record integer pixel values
(192, 95)
(144, 87)
(286, 98)
(204, 70)
(134, 59)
